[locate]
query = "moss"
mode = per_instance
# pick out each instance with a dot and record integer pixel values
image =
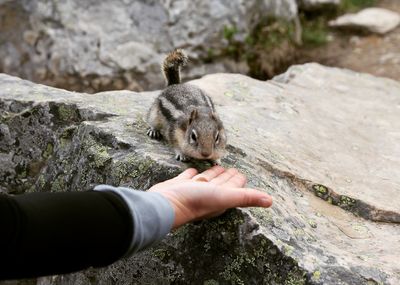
(270, 48)
(211, 54)
(232, 48)
(229, 32)
(315, 30)
(267, 42)
(272, 45)
(355, 5)
(271, 32)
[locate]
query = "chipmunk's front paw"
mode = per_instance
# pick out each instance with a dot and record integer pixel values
(181, 157)
(154, 134)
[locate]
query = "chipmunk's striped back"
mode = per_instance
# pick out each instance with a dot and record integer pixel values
(185, 116)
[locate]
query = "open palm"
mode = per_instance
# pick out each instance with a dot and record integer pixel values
(197, 196)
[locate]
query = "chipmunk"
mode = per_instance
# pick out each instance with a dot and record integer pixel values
(185, 116)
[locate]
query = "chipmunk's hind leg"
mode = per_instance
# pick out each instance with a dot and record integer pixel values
(155, 120)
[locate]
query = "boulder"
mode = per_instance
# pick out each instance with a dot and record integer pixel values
(322, 141)
(375, 20)
(318, 4)
(96, 46)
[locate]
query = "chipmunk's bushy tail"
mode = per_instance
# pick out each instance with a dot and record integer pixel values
(172, 64)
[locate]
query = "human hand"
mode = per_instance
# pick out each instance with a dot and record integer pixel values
(210, 193)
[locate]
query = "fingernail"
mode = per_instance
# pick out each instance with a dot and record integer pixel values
(266, 202)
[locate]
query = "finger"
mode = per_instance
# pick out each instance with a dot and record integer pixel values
(211, 215)
(236, 181)
(224, 177)
(228, 197)
(209, 174)
(187, 174)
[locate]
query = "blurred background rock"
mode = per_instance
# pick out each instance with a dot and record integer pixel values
(93, 46)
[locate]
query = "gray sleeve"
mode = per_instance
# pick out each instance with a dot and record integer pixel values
(152, 215)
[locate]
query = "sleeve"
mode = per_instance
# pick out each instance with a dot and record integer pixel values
(57, 233)
(152, 215)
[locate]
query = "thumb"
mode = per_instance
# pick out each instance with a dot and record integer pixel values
(244, 197)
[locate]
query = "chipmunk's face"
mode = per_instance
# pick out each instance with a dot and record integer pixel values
(205, 136)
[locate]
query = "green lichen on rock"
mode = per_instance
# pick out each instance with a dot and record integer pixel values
(320, 190)
(244, 246)
(235, 259)
(264, 216)
(316, 275)
(58, 185)
(160, 253)
(294, 279)
(97, 153)
(131, 166)
(48, 151)
(312, 223)
(346, 202)
(67, 113)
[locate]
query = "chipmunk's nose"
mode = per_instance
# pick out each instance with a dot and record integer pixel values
(206, 154)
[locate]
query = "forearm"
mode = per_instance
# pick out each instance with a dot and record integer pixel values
(54, 233)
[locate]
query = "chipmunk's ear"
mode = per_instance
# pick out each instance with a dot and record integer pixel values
(193, 116)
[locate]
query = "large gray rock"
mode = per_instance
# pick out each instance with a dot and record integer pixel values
(101, 45)
(376, 20)
(318, 4)
(322, 141)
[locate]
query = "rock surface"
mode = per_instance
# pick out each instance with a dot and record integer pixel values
(91, 45)
(322, 141)
(376, 20)
(317, 4)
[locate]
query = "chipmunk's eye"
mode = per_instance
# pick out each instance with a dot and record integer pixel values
(193, 136)
(217, 138)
